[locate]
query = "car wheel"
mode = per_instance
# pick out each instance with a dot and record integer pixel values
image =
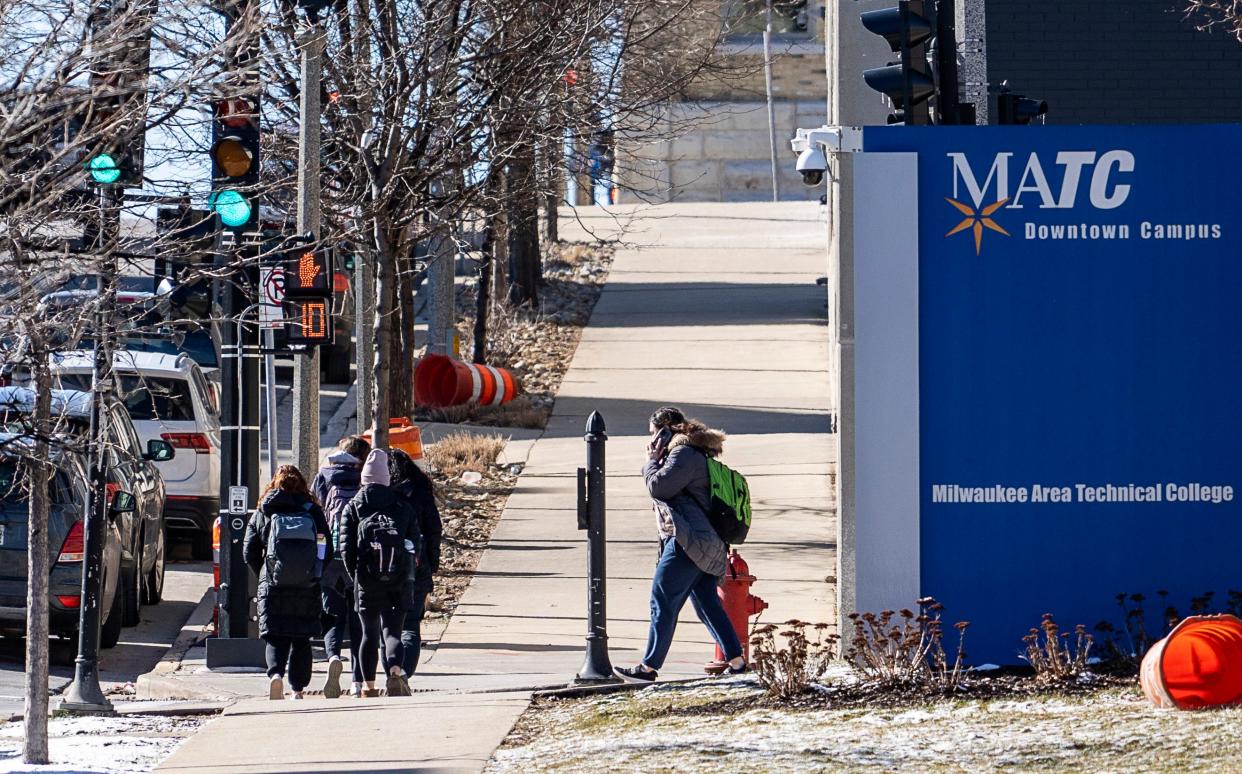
(110, 631)
(153, 589)
(131, 590)
(200, 546)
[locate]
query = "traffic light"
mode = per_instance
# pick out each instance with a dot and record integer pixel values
(235, 162)
(909, 83)
(308, 296)
(117, 112)
(1018, 110)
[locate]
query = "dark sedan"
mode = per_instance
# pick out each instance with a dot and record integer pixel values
(68, 499)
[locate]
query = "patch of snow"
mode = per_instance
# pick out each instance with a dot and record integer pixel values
(100, 745)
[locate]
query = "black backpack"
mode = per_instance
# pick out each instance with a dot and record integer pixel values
(293, 558)
(382, 556)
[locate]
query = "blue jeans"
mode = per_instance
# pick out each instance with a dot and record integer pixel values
(677, 577)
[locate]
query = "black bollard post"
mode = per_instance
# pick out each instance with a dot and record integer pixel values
(596, 668)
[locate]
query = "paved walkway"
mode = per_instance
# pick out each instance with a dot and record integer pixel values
(712, 307)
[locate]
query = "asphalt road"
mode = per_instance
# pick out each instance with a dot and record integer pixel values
(140, 648)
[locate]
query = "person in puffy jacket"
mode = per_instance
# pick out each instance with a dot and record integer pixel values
(379, 543)
(415, 486)
(693, 558)
(288, 609)
(334, 486)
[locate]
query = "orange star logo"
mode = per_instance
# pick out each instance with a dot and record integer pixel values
(977, 221)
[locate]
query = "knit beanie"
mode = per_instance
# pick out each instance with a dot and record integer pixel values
(375, 469)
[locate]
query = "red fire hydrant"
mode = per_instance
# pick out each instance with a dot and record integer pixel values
(740, 605)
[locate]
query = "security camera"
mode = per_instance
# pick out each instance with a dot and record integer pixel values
(812, 163)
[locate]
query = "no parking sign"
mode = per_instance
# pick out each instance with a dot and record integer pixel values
(271, 310)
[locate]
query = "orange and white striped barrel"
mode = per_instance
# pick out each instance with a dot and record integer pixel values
(441, 381)
(1199, 664)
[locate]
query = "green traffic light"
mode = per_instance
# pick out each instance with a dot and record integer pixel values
(104, 169)
(231, 206)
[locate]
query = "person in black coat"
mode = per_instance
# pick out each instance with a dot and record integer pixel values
(288, 615)
(381, 601)
(334, 486)
(415, 486)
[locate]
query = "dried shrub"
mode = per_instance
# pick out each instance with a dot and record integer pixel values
(1057, 656)
(909, 649)
(456, 453)
(786, 670)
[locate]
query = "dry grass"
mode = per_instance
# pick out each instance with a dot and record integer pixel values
(519, 412)
(456, 453)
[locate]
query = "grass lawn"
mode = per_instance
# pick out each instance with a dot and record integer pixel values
(708, 725)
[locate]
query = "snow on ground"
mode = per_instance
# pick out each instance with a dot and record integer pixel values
(86, 745)
(658, 729)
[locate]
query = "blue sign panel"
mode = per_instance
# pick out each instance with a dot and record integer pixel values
(1080, 339)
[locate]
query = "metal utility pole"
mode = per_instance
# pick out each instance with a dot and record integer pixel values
(767, 80)
(596, 667)
(440, 301)
(239, 436)
(306, 367)
(84, 693)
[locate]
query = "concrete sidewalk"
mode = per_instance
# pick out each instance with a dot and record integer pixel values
(712, 307)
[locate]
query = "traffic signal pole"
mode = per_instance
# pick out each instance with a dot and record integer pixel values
(84, 693)
(306, 367)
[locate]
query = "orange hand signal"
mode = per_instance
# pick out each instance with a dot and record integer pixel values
(308, 269)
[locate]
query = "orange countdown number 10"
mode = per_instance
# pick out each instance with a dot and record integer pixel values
(314, 320)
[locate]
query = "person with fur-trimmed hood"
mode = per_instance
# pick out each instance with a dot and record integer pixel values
(693, 558)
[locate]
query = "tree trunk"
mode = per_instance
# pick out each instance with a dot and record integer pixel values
(403, 343)
(36, 707)
(482, 303)
(553, 181)
(384, 296)
(522, 201)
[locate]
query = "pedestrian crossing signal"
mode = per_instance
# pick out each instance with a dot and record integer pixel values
(308, 321)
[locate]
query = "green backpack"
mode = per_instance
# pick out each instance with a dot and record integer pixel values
(730, 506)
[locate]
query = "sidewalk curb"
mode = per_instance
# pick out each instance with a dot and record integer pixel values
(154, 684)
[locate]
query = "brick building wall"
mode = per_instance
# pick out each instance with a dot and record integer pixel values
(1114, 61)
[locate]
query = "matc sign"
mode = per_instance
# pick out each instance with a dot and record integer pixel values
(1057, 317)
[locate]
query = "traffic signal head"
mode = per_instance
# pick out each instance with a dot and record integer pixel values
(104, 168)
(908, 83)
(1016, 109)
(235, 161)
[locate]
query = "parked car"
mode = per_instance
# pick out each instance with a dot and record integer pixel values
(168, 398)
(68, 495)
(130, 469)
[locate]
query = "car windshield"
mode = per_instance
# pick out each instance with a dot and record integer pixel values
(145, 397)
(197, 344)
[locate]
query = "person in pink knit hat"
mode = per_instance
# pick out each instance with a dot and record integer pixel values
(379, 543)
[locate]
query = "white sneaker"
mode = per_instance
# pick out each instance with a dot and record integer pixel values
(297, 695)
(355, 690)
(276, 690)
(332, 686)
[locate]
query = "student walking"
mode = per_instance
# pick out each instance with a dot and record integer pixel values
(415, 486)
(693, 558)
(286, 545)
(379, 542)
(335, 486)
